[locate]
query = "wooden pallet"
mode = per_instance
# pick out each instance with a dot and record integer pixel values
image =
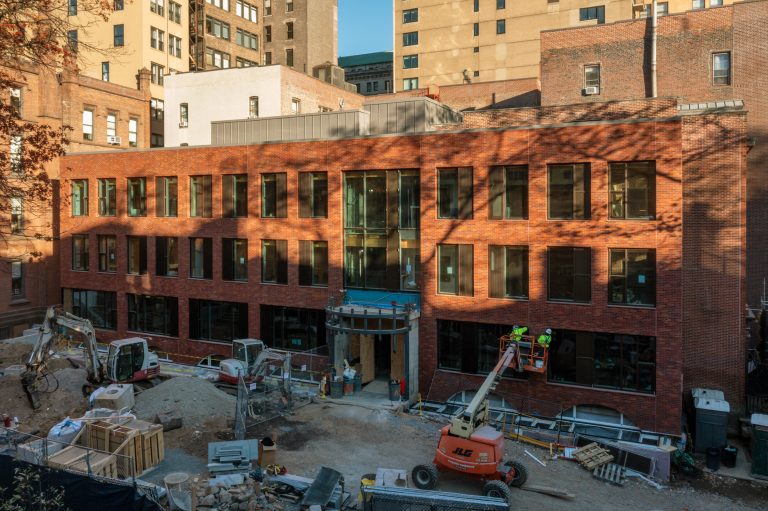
(83, 460)
(610, 472)
(592, 456)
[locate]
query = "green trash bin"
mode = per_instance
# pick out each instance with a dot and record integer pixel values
(760, 445)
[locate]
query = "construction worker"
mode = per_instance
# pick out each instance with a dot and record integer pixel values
(545, 339)
(518, 332)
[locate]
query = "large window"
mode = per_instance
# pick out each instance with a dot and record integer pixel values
(79, 197)
(200, 200)
(454, 193)
(174, 12)
(291, 328)
(593, 13)
(201, 258)
(174, 46)
(217, 28)
(410, 61)
(80, 252)
(157, 6)
(455, 269)
(633, 190)
(107, 253)
(107, 197)
(157, 73)
(569, 189)
(721, 68)
(632, 277)
(167, 196)
(274, 261)
(153, 314)
(593, 359)
(218, 321)
(234, 259)
(507, 272)
(410, 83)
(235, 195)
(381, 235)
(137, 196)
(508, 192)
(247, 39)
(98, 307)
(137, 255)
(313, 195)
(410, 15)
(274, 195)
(469, 347)
(247, 11)
(167, 256)
(569, 274)
(157, 39)
(313, 263)
(410, 38)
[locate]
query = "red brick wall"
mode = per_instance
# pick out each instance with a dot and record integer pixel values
(597, 144)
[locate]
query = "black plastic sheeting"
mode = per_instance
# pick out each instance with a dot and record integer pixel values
(80, 492)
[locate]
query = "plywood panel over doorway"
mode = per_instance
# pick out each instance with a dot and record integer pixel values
(367, 362)
(397, 357)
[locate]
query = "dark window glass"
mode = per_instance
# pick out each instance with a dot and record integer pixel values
(508, 192)
(234, 259)
(313, 263)
(569, 190)
(410, 188)
(201, 258)
(410, 62)
(632, 277)
(633, 190)
(569, 274)
(274, 195)
(137, 196)
(118, 33)
(17, 280)
(410, 15)
(137, 255)
(218, 321)
(98, 307)
(470, 347)
(235, 195)
(721, 68)
(291, 328)
(107, 253)
(274, 261)
(410, 38)
(79, 197)
(153, 314)
(107, 197)
(200, 196)
(476, 29)
(454, 196)
(507, 272)
(455, 269)
(72, 7)
(501, 26)
(592, 13)
(167, 196)
(167, 256)
(80, 252)
(313, 195)
(624, 362)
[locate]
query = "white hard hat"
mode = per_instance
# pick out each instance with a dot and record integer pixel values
(548, 331)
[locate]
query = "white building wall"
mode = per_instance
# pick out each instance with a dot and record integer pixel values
(217, 95)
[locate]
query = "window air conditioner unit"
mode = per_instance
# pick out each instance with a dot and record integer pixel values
(183, 124)
(113, 140)
(591, 91)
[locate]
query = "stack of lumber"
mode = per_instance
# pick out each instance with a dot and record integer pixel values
(81, 459)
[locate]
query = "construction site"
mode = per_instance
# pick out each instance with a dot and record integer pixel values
(119, 427)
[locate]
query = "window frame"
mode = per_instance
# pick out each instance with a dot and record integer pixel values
(18, 289)
(722, 80)
(88, 128)
(499, 175)
(118, 35)
(107, 196)
(313, 200)
(234, 206)
(139, 244)
(583, 297)
(464, 263)
(79, 198)
(142, 198)
(464, 196)
(411, 61)
(80, 252)
(107, 253)
(501, 27)
(627, 272)
(167, 196)
(411, 38)
(625, 191)
(410, 15)
(493, 287)
(277, 206)
(274, 253)
(590, 83)
(231, 270)
(586, 193)
(205, 253)
(167, 256)
(16, 207)
(201, 196)
(310, 273)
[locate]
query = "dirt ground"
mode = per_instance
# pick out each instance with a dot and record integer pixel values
(357, 441)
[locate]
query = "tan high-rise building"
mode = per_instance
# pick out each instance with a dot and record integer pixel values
(448, 42)
(225, 33)
(300, 34)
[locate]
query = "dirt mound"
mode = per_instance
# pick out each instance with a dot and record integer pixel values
(194, 399)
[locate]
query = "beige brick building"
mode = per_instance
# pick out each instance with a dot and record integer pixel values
(467, 41)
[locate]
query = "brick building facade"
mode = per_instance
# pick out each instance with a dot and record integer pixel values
(30, 282)
(618, 336)
(711, 56)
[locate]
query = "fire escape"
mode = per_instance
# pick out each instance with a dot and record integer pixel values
(197, 35)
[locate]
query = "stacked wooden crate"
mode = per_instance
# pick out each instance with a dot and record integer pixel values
(139, 441)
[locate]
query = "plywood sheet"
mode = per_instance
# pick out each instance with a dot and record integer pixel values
(367, 361)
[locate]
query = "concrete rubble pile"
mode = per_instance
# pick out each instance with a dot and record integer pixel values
(245, 497)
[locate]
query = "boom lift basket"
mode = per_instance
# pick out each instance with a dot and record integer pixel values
(530, 355)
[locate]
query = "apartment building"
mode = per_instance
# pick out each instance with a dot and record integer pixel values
(151, 34)
(570, 218)
(224, 33)
(258, 92)
(468, 41)
(704, 57)
(103, 116)
(300, 34)
(371, 73)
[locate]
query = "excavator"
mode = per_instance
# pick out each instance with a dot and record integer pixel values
(469, 445)
(128, 360)
(252, 359)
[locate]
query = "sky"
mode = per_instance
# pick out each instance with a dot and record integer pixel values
(365, 26)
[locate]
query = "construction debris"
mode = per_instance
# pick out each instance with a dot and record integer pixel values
(194, 399)
(611, 473)
(592, 456)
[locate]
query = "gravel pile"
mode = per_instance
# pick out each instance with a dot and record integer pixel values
(192, 398)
